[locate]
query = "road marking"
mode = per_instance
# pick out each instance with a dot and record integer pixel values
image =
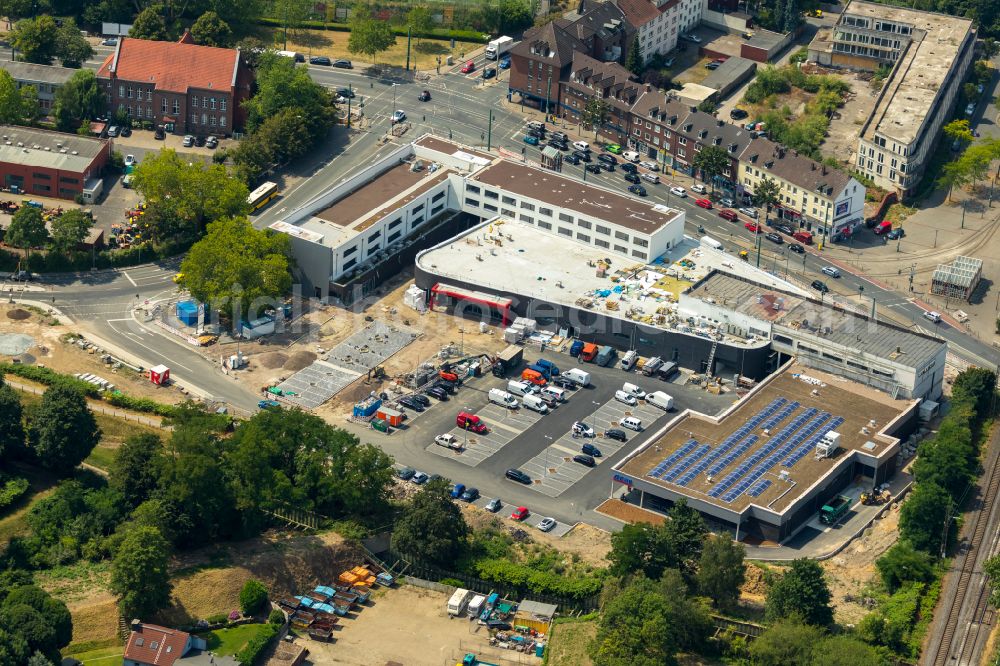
(127, 277)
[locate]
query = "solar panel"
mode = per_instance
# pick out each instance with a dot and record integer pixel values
(758, 489)
(673, 458)
(686, 462)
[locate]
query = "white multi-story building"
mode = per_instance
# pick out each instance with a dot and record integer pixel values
(929, 54)
(660, 23)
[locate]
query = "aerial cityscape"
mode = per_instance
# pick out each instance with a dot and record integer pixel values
(585, 333)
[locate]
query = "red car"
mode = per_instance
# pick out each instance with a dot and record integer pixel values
(752, 227)
(520, 513)
(728, 215)
(468, 67)
(704, 203)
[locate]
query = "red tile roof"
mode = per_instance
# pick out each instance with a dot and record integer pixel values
(172, 66)
(159, 646)
(638, 12)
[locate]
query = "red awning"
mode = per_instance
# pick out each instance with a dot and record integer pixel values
(458, 293)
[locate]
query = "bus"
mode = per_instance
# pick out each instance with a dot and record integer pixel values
(262, 196)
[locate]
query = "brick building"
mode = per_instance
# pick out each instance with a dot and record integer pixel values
(189, 89)
(609, 81)
(52, 164)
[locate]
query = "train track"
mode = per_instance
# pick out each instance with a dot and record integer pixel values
(968, 617)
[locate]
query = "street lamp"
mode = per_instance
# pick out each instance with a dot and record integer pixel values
(394, 97)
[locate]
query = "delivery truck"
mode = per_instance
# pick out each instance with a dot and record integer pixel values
(498, 47)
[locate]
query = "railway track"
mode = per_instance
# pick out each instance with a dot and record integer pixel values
(968, 617)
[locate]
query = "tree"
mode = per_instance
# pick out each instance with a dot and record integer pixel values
(990, 47)
(11, 101)
(766, 194)
(596, 113)
(432, 528)
(713, 161)
(11, 422)
(901, 564)
(958, 130)
(953, 174)
(70, 229)
(139, 576)
(37, 39)
(238, 269)
(802, 591)
(73, 49)
(31, 110)
(419, 21)
(252, 597)
(211, 30)
(63, 429)
(149, 24)
(27, 229)
(77, 100)
(684, 535)
(39, 659)
(370, 37)
(846, 650)
(979, 384)
(991, 568)
(651, 549)
(135, 470)
(43, 623)
(786, 642)
(925, 517)
(721, 571)
(634, 61)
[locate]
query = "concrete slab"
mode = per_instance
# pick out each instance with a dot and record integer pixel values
(316, 383)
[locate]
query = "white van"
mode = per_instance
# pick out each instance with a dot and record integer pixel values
(503, 399)
(577, 376)
(535, 404)
(476, 605)
(711, 242)
(629, 360)
(535, 125)
(661, 400)
(631, 155)
(582, 146)
(650, 178)
(554, 392)
(520, 388)
(631, 422)
(633, 390)
(627, 398)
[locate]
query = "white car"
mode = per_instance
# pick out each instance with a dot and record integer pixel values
(933, 317)
(631, 155)
(749, 212)
(979, 89)
(725, 202)
(699, 188)
(581, 428)
(627, 398)
(652, 166)
(398, 116)
(679, 191)
(113, 131)
(546, 524)
(694, 38)
(449, 441)
(188, 141)
(582, 146)
(832, 271)
(130, 160)
(970, 109)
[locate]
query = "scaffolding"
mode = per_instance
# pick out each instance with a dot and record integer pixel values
(957, 279)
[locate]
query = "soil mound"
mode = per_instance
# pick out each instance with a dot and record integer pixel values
(272, 360)
(299, 360)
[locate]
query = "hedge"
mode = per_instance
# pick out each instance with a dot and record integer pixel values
(539, 582)
(58, 262)
(146, 405)
(49, 378)
(433, 33)
(256, 645)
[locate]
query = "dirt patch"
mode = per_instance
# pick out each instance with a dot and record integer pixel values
(629, 513)
(299, 360)
(18, 314)
(272, 360)
(754, 589)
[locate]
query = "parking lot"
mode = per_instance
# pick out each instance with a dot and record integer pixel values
(504, 426)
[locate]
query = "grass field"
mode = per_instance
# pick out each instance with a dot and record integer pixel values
(101, 457)
(100, 657)
(230, 641)
(568, 643)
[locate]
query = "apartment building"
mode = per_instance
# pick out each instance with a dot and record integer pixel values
(812, 195)
(46, 79)
(929, 54)
(661, 23)
(592, 79)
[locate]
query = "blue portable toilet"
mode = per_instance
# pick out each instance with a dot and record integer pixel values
(187, 312)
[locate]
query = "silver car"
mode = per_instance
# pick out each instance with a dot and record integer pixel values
(749, 212)
(546, 524)
(188, 141)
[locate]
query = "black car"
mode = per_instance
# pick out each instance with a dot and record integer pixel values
(437, 392)
(591, 450)
(343, 64)
(199, 140)
(593, 168)
(160, 134)
(785, 229)
(346, 92)
(775, 238)
(564, 383)
(489, 72)
(796, 248)
(585, 460)
(896, 234)
(572, 159)
(738, 114)
(607, 159)
(470, 495)
(820, 286)
(637, 190)
(408, 401)
(450, 387)
(126, 131)
(320, 60)
(518, 475)
(607, 167)
(582, 155)
(425, 96)
(616, 434)
(539, 134)
(422, 399)
(632, 178)
(406, 473)
(629, 167)
(559, 145)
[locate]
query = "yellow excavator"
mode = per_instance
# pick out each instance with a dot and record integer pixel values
(875, 497)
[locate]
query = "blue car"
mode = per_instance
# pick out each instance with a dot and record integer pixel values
(504, 62)
(268, 404)
(531, 140)
(457, 491)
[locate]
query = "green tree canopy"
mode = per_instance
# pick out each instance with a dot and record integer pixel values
(34, 621)
(902, 563)
(27, 229)
(721, 571)
(650, 549)
(211, 30)
(786, 642)
(135, 470)
(922, 520)
(846, 650)
(369, 36)
(253, 596)
(139, 576)
(36, 39)
(70, 229)
(766, 193)
(238, 269)
(419, 21)
(801, 591)
(713, 161)
(11, 100)
(150, 24)
(596, 113)
(77, 100)
(432, 528)
(634, 62)
(63, 429)
(12, 434)
(73, 48)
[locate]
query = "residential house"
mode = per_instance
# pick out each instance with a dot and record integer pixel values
(812, 195)
(189, 89)
(539, 62)
(591, 79)
(46, 79)
(153, 645)
(661, 23)
(602, 29)
(699, 129)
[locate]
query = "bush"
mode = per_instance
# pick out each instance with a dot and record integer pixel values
(12, 491)
(256, 645)
(49, 378)
(146, 405)
(527, 579)
(252, 597)
(276, 617)
(454, 582)
(218, 618)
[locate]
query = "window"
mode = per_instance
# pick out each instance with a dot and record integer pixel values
(177, 106)
(601, 243)
(640, 242)
(508, 212)
(583, 237)
(204, 119)
(509, 200)
(130, 92)
(473, 189)
(212, 101)
(437, 197)
(603, 230)
(565, 232)
(492, 195)
(490, 207)
(194, 101)
(544, 225)
(204, 102)
(213, 120)
(222, 104)
(374, 236)
(393, 237)
(437, 209)
(545, 211)
(585, 224)
(472, 202)
(222, 121)
(638, 254)
(527, 206)
(121, 92)
(41, 176)
(563, 217)
(621, 248)
(621, 235)
(350, 264)
(163, 105)
(527, 218)
(417, 209)
(350, 251)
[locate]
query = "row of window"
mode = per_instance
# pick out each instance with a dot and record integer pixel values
(206, 102)
(62, 179)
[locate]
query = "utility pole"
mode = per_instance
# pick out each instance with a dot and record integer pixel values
(350, 86)
(548, 95)
(757, 237)
(963, 213)
(408, 48)
(489, 132)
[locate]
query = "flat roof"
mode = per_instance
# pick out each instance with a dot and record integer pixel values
(733, 69)
(765, 39)
(697, 452)
(586, 199)
(32, 72)
(53, 150)
(835, 324)
(447, 147)
(543, 265)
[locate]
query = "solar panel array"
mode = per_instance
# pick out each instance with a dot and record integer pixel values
(780, 416)
(714, 455)
(761, 486)
(686, 462)
(672, 459)
(803, 450)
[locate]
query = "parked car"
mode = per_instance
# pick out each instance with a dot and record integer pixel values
(537, 133)
(727, 214)
(188, 141)
(562, 382)
(607, 159)
(796, 248)
(437, 392)
(494, 505)
(785, 229)
(613, 148)
(582, 429)
(424, 96)
(130, 160)
(582, 155)
(652, 166)
(711, 65)
(637, 190)
(470, 495)
(970, 108)
(398, 116)
(546, 524)
(726, 202)
(584, 459)
(820, 286)
(679, 191)
(606, 166)
(616, 434)
(593, 168)
(113, 131)
(504, 62)
(199, 141)
(591, 450)
(211, 142)
(126, 131)
(320, 60)
(457, 490)
(520, 513)
(468, 67)
(934, 317)
(581, 145)
(633, 178)
(572, 159)
(531, 140)
(703, 203)
(518, 475)
(832, 271)
(775, 238)
(489, 72)
(896, 234)
(448, 441)
(110, 41)
(346, 93)
(628, 167)
(343, 64)
(408, 401)
(738, 114)
(419, 478)
(160, 133)
(406, 473)
(749, 212)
